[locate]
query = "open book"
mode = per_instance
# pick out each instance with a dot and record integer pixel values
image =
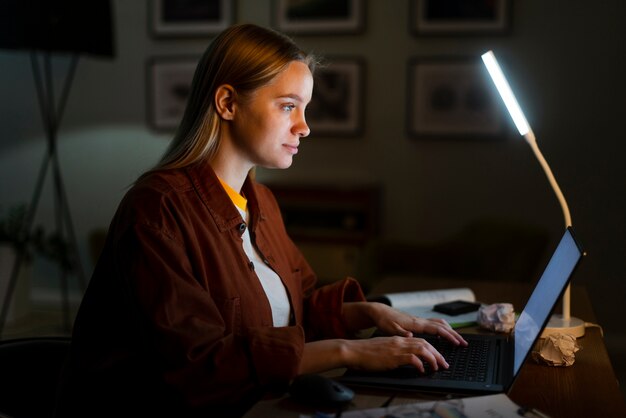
(420, 303)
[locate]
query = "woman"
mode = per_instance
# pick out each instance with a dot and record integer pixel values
(200, 302)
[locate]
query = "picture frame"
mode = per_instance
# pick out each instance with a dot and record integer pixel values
(452, 98)
(168, 86)
(337, 104)
(456, 17)
(191, 18)
(315, 17)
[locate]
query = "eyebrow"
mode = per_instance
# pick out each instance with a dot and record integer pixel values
(290, 96)
(295, 97)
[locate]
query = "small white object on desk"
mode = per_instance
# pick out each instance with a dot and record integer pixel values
(499, 317)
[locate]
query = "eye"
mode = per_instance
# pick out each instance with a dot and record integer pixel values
(288, 107)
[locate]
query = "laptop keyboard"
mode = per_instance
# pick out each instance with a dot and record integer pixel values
(466, 363)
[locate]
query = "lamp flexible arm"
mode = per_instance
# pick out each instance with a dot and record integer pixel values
(532, 141)
(530, 138)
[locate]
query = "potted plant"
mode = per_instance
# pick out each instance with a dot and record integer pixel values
(13, 234)
(15, 239)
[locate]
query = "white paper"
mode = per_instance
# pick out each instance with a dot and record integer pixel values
(498, 317)
(498, 405)
(429, 298)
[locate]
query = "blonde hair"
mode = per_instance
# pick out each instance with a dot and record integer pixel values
(244, 56)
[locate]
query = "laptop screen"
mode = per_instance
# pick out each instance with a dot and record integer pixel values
(546, 293)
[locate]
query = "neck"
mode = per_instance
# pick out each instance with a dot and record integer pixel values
(233, 176)
(229, 165)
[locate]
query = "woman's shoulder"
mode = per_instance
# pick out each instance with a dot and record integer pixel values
(154, 194)
(162, 182)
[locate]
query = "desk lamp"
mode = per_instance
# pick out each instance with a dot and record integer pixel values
(563, 323)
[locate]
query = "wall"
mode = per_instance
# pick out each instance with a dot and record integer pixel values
(565, 60)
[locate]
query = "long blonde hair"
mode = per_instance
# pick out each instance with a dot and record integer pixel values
(245, 56)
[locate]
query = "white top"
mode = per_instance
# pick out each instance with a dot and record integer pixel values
(273, 286)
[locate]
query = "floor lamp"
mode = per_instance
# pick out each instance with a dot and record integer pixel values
(44, 28)
(563, 323)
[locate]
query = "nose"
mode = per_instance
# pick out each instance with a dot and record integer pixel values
(301, 128)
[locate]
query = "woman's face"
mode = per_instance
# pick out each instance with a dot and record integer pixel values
(267, 127)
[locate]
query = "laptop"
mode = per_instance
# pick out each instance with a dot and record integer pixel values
(491, 362)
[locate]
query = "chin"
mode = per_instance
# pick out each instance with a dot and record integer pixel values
(285, 164)
(278, 165)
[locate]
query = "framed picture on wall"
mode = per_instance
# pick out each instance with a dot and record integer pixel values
(451, 17)
(452, 98)
(169, 83)
(336, 108)
(304, 17)
(189, 18)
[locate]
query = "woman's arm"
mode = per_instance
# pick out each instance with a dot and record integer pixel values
(381, 353)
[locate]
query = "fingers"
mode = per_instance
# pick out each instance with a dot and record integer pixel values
(430, 355)
(402, 324)
(441, 327)
(400, 331)
(386, 353)
(420, 352)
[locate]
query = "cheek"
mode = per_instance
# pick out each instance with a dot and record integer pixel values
(249, 124)
(271, 125)
(258, 119)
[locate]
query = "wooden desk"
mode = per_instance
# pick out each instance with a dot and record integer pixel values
(589, 388)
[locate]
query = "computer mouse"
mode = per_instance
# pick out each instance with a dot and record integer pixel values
(315, 389)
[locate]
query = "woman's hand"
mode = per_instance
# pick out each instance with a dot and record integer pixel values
(386, 353)
(390, 321)
(375, 354)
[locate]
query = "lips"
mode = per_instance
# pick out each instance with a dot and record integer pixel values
(292, 148)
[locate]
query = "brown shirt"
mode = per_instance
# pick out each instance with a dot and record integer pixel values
(175, 321)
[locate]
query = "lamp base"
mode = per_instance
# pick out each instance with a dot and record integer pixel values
(558, 325)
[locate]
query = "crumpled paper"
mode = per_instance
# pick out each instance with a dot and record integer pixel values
(499, 317)
(556, 350)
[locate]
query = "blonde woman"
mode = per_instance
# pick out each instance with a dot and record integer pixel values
(200, 303)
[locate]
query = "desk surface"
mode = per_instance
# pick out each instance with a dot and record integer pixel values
(588, 388)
